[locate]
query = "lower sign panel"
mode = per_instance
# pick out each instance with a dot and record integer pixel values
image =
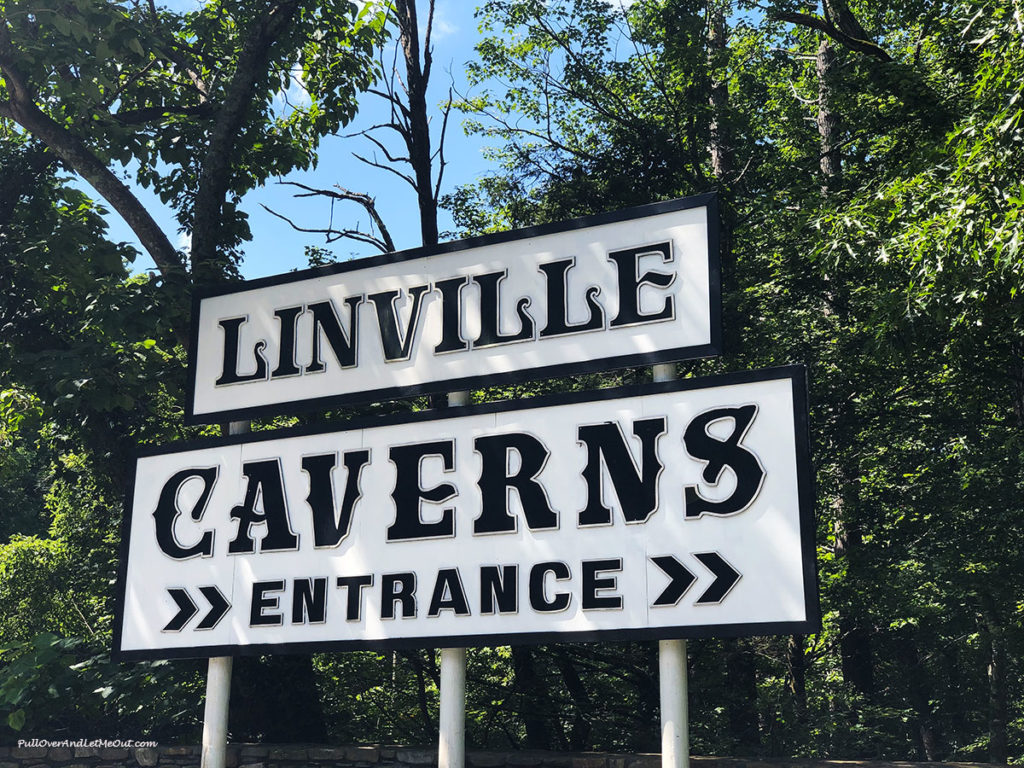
(680, 509)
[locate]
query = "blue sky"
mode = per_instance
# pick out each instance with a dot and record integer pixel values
(276, 247)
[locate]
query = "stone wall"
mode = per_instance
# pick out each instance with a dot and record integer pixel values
(268, 756)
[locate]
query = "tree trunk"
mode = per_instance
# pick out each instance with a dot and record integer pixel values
(997, 701)
(531, 699)
(741, 708)
(417, 74)
(579, 736)
(857, 659)
(828, 121)
(720, 145)
(798, 675)
(919, 695)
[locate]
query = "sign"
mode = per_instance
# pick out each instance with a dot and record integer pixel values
(674, 509)
(635, 287)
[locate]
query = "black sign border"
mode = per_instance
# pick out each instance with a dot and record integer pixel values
(797, 374)
(291, 407)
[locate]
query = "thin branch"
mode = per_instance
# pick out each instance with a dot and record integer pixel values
(826, 27)
(367, 202)
(374, 164)
(333, 235)
(440, 144)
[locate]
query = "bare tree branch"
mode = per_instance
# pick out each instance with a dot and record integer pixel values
(333, 235)
(374, 164)
(367, 202)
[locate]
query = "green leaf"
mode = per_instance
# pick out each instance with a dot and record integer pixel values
(16, 720)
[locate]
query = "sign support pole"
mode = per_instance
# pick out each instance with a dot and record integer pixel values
(218, 685)
(673, 684)
(451, 743)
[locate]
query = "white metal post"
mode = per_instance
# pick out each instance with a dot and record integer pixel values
(451, 742)
(673, 685)
(218, 686)
(675, 724)
(215, 716)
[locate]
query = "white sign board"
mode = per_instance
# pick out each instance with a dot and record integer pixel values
(634, 287)
(676, 509)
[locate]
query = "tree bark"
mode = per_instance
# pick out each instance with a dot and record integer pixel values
(417, 137)
(997, 698)
(741, 707)
(919, 695)
(720, 145)
(827, 120)
(532, 701)
(797, 659)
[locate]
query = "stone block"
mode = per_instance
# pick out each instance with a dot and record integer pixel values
(325, 755)
(27, 753)
(8, 765)
(524, 759)
(147, 757)
(253, 765)
(294, 754)
(417, 756)
(589, 761)
(646, 761)
(180, 751)
(253, 750)
(558, 759)
(116, 755)
(486, 759)
(360, 754)
(59, 754)
(618, 761)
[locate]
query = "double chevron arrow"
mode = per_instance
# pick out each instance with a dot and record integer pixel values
(682, 579)
(187, 609)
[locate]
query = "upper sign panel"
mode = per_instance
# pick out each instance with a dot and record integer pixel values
(635, 287)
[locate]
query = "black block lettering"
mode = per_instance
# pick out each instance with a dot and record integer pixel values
(330, 528)
(354, 591)
(229, 369)
(558, 323)
(397, 346)
(166, 513)
(286, 351)
(266, 488)
(261, 602)
(499, 587)
(630, 282)
(490, 313)
(636, 489)
(409, 493)
(593, 582)
(496, 483)
(719, 454)
(398, 588)
(448, 594)
(309, 601)
(451, 315)
(326, 323)
(538, 595)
